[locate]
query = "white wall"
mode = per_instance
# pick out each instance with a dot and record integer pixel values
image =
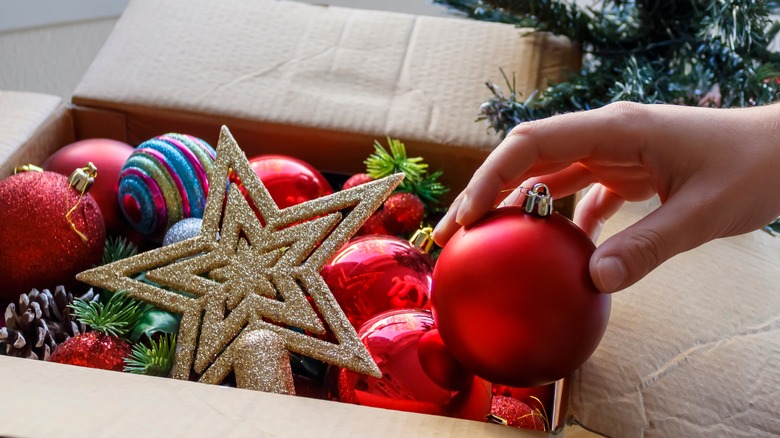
(50, 59)
(46, 46)
(24, 14)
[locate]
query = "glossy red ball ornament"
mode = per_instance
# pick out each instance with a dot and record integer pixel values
(373, 274)
(290, 181)
(391, 338)
(38, 246)
(522, 284)
(108, 156)
(473, 402)
(440, 365)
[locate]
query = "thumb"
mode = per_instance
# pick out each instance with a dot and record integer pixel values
(628, 256)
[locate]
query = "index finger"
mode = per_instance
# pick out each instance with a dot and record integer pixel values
(545, 146)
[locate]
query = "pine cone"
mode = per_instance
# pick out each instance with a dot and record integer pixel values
(40, 323)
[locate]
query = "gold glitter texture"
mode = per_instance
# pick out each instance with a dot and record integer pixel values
(262, 362)
(241, 274)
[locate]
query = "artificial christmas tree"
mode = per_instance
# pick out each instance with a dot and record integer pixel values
(713, 53)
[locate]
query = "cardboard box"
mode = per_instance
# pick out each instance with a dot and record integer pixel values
(692, 349)
(314, 82)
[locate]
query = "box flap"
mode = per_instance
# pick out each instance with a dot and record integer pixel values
(693, 349)
(315, 81)
(72, 401)
(32, 126)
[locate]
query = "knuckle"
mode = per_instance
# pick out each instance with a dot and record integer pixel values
(648, 249)
(525, 128)
(624, 111)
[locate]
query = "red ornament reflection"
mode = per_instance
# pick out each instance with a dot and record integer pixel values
(391, 338)
(290, 181)
(373, 274)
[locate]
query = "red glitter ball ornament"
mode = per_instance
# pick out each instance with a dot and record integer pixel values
(537, 397)
(372, 274)
(38, 244)
(403, 212)
(289, 181)
(517, 413)
(93, 350)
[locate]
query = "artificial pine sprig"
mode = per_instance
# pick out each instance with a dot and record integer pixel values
(118, 248)
(383, 163)
(117, 317)
(429, 189)
(154, 360)
(418, 181)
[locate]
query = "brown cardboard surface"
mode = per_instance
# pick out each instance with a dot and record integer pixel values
(316, 82)
(32, 126)
(691, 350)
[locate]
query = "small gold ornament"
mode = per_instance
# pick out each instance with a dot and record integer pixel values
(243, 274)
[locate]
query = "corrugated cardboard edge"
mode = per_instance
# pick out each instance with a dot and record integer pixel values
(32, 127)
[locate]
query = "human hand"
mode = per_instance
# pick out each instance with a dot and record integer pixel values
(716, 171)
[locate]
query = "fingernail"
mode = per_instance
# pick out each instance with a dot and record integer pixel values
(462, 207)
(611, 272)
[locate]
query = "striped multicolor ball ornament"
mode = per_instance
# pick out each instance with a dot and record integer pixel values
(164, 181)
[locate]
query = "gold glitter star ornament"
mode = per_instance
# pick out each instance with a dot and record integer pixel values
(249, 288)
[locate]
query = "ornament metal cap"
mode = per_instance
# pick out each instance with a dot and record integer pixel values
(423, 239)
(82, 178)
(538, 201)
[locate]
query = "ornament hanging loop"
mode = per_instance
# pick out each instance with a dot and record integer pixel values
(27, 168)
(81, 179)
(538, 201)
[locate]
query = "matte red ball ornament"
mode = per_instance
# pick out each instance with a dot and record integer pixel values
(373, 274)
(108, 156)
(41, 245)
(290, 181)
(520, 277)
